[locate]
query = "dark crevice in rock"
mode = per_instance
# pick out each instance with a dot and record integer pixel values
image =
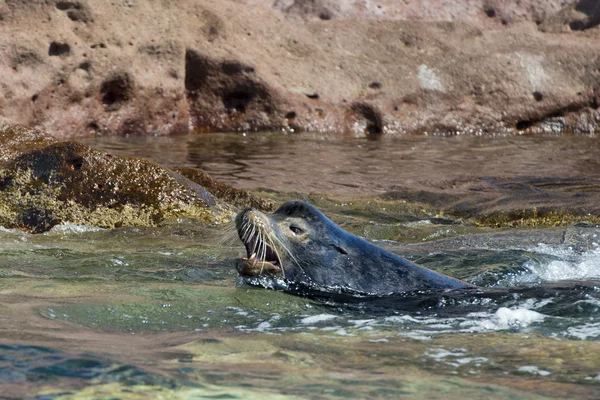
(595, 103)
(490, 12)
(374, 122)
(577, 25)
(524, 124)
(86, 66)
(239, 98)
(234, 68)
(59, 49)
(325, 15)
(38, 221)
(76, 11)
(591, 8)
(227, 91)
(561, 112)
(117, 89)
(6, 182)
(77, 163)
(196, 71)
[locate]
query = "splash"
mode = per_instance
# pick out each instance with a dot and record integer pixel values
(566, 263)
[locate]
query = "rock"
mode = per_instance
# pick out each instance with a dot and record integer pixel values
(576, 16)
(228, 95)
(44, 183)
(16, 140)
(470, 67)
(75, 10)
(473, 11)
(236, 197)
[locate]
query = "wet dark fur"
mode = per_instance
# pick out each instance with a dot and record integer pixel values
(331, 259)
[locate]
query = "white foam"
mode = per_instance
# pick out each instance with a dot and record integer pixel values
(439, 354)
(382, 340)
(6, 230)
(263, 326)
(362, 322)
(532, 369)
(583, 332)
(455, 358)
(73, 228)
(505, 318)
(570, 265)
(119, 262)
(317, 318)
(343, 332)
(402, 319)
(468, 360)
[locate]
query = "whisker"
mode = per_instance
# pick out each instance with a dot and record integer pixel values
(228, 236)
(287, 251)
(245, 230)
(252, 236)
(263, 251)
(278, 256)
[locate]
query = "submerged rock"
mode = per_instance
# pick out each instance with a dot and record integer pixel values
(44, 183)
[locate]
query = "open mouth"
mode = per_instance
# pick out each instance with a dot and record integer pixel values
(261, 259)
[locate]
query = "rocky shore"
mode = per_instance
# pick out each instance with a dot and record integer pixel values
(358, 68)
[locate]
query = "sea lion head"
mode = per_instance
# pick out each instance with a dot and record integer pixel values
(296, 244)
(299, 249)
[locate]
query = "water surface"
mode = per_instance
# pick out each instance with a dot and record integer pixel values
(321, 164)
(143, 312)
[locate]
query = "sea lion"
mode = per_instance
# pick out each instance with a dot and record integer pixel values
(297, 246)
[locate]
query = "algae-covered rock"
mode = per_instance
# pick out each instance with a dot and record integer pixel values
(16, 139)
(237, 197)
(44, 183)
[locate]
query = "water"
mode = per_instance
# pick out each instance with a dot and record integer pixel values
(320, 164)
(147, 312)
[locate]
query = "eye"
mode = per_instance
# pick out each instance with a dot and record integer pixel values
(296, 230)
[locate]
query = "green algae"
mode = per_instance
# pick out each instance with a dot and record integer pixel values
(236, 197)
(70, 183)
(44, 183)
(536, 218)
(16, 139)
